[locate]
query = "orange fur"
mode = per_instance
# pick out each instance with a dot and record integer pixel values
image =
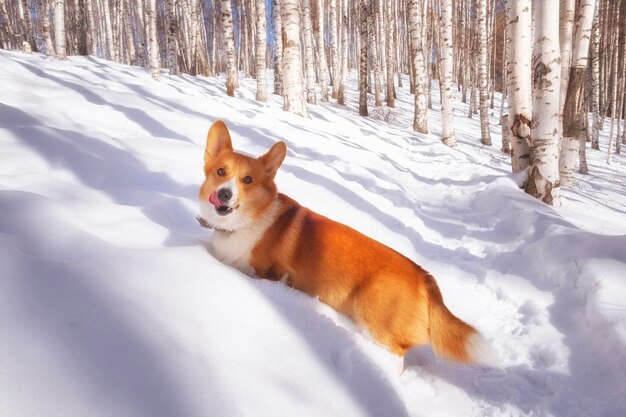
(396, 300)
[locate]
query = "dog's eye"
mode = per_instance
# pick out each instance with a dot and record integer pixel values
(247, 180)
(221, 172)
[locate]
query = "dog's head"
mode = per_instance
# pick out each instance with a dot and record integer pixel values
(237, 189)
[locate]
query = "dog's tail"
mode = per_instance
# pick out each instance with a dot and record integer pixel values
(450, 336)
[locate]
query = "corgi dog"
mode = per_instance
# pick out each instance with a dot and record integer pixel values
(268, 235)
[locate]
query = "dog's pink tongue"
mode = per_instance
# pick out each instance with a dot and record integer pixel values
(215, 200)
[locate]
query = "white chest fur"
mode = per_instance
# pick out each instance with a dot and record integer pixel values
(235, 248)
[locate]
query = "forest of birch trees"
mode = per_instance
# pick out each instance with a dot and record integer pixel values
(559, 65)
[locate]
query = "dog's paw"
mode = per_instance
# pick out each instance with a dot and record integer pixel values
(203, 222)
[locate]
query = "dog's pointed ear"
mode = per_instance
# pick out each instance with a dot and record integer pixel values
(217, 140)
(274, 158)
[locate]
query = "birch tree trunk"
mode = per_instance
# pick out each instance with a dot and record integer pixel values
(566, 31)
(292, 60)
(416, 25)
(261, 51)
(372, 34)
(573, 116)
(343, 73)
(485, 136)
(278, 47)
(363, 17)
(170, 22)
(28, 42)
(613, 101)
(389, 20)
(519, 38)
(334, 48)
(232, 79)
(59, 29)
(321, 51)
(108, 28)
(595, 78)
(445, 79)
(153, 46)
(43, 8)
(309, 62)
(138, 13)
(543, 182)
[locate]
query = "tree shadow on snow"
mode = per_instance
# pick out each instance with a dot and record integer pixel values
(113, 171)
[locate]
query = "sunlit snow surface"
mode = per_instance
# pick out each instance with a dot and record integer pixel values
(111, 304)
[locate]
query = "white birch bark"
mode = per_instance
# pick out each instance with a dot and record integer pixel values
(92, 37)
(573, 116)
(261, 51)
(519, 38)
(321, 51)
(618, 55)
(6, 31)
(138, 13)
(485, 135)
(372, 33)
(108, 29)
(334, 47)
(127, 30)
(595, 79)
(278, 47)
(566, 32)
(292, 60)
(447, 61)
(343, 72)
(309, 62)
(416, 25)
(363, 18)
(390, 33)
(543, 182)
(232, 79)
(153, 45)
(171, 28)
(44, 9)
(25, 27)
(59, 29)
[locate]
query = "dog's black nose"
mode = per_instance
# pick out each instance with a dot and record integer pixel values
(224, 195)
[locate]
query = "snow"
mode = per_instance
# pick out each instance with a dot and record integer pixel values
(111, 304)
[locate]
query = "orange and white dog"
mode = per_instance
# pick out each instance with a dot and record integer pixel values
(269, 235)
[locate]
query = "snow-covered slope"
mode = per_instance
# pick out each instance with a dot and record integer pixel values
(111, 304)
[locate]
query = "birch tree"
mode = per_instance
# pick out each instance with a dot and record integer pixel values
(153, 46)
(566, 36)
(445, 80)
(172, 55)
(390, 33)
(232, 78)
(519, 81)
(261, 46)
(43, 8)
(372, 34)
(485, 136)
(573, 116)
(595, 78)
(321, 52)
(363, 17)
(416, 33)
(543, 182)
(309, 62)
(59, 29)
(278, 47)
(334, 47)
(343, 71)
(292, 61)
